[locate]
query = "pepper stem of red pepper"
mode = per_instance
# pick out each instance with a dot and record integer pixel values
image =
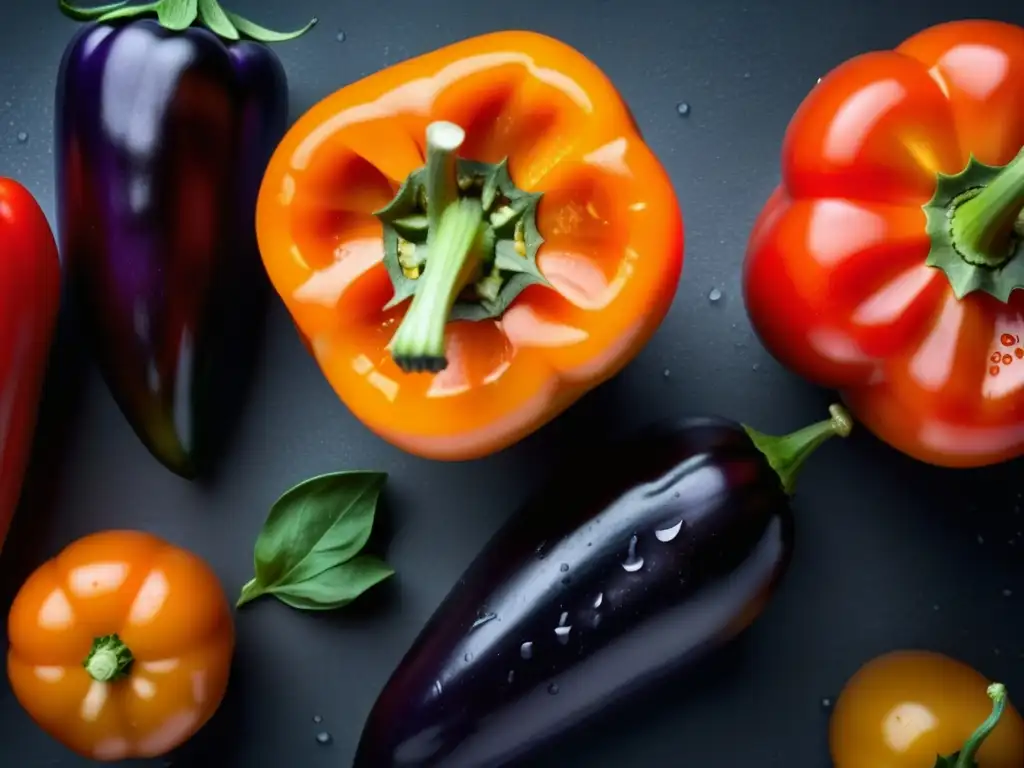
(986, 226)
(786, 454)
(109, 659)
(996, 692)
(455, 241)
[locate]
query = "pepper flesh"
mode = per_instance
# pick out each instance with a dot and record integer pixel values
(29, 303)
(611, 253)
(121, 645)
(839, 278)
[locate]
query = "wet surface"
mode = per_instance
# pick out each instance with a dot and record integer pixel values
(889, 553)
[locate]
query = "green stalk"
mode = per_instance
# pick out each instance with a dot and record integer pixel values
(455, 241)
(983, 225)
(109, 659)
(996, 692)
(787, 454)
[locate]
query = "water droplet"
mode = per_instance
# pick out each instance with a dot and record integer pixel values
(746, 75)
(566, 581)
(599, 599)
(996, 357)
(323, 737)
(667, 534)
(22, 137)
(511, 675)
(468, 657)
(563, 567)
(553, 689)
(1007, 359)
(633, 561)
(935, 607)
(526, 650)
(317, 719)
(981, 539)
(483, 619)
(438, 688)
(563, 618)
(667, 373)
(755, 367)
(819, 80)
(540, 550)
(826, 702)
(714, 295)
(683, 108)
(1008, 339)
(994, 370)
(340, 37)
(1007, 593)
(562, 633)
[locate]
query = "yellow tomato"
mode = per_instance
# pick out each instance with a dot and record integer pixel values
(906, 708)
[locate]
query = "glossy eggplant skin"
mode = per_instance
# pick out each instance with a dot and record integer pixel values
(162, 141)
(601, 614)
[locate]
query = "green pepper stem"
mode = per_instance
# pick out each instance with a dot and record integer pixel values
(109, 659)
(996, 692)
(983, 227)
(455, 238)
(787, 454)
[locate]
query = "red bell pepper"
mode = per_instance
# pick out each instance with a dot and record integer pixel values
(886, 263)
(29, 302)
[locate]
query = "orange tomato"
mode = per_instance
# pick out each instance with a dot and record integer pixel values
(906, 708)
(121, 645)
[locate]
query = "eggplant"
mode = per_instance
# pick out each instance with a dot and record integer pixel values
(163, 134)
(633, 563)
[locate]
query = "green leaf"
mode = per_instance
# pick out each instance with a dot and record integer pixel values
(177, 14)
(88, 14)
(129, 12)
(312, 529)
(213, 16)
(264, 35)
(337, 587)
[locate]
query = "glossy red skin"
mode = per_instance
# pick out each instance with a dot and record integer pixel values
(29, 302)
(835, 278)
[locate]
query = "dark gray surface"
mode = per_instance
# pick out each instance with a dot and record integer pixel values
(890, 554)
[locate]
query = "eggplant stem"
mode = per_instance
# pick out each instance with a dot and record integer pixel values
(786, 454)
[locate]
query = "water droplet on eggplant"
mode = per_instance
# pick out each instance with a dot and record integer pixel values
(323, 737)
(511, 676)
(340, 37)
(563, 567)
(668, 534)
(22, 137)
(683, 108)
(553, 689)
(468, 657)
(633, 561)
(714, 295)
(317, 719)
(483, 619)
(526, 650)
(598, 600)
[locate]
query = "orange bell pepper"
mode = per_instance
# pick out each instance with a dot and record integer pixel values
(887, 263)
(120, 646)
(470, 240)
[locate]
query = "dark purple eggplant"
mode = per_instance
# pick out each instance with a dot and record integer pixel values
(632, 564)
(163, 133)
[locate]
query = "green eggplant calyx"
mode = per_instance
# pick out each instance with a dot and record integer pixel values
(178, 15)
(786, 454)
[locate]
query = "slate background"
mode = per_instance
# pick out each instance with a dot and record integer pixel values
(890, 553)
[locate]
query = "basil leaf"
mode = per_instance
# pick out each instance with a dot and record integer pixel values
(177, 14)
(312, 529)
(337, 587)
(213, 16)
(262, 34)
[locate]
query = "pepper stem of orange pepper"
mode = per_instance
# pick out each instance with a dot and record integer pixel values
(987, 226)
(787, 454)
(109, 659)
(996, 692)
(455, 240)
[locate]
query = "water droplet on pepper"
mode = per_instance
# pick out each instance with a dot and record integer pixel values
(996, 357)
(1008, 339)
(994, 370)
(1007, 359)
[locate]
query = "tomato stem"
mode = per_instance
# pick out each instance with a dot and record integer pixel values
(985, 223)
(109, 659)
(996, 692)
(787, 454)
